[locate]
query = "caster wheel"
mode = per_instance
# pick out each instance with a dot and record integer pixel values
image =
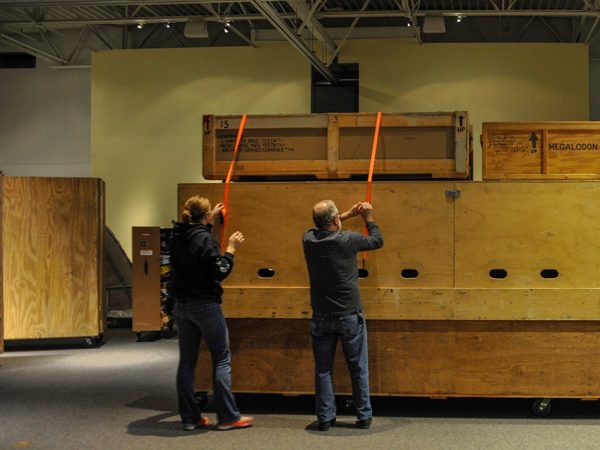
(92, 341)
(541, 407)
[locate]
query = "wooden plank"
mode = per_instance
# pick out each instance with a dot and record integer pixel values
(101, 285)
(524, 228)
(425, 304)
(333, 144)
(256, 208)
(423, 358)
(145, 276)
(51, 258)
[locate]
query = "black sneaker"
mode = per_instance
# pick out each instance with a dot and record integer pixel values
(325, 426)
(365, 424)
(203, 422)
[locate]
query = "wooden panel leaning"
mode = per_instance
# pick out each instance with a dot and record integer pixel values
(436, 145)
(452, 329)
(52, 232)
(541, 150)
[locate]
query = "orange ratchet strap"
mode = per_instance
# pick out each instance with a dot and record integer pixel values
(371, 169)
(225, 210)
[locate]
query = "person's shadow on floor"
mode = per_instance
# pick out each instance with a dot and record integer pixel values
(158, 425)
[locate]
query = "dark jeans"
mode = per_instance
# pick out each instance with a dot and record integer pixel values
(352, 331)
(195, 320)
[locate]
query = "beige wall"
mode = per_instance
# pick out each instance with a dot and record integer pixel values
(493, 82)
(147, 108)
(147, 105)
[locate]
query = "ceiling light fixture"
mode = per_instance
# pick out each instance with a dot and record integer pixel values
(167, 25)
(227, 24)
(459, 18)
(140, 26)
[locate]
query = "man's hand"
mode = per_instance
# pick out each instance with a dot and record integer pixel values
(366, 211)
(235, 241)
(215, 212)
(352, 212)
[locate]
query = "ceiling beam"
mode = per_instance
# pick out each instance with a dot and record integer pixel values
(279, 23)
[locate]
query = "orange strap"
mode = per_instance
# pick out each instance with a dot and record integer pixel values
(373, 153)
(371, 169)
(225, 210)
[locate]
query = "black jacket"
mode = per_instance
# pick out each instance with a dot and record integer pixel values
(333, 269)
(197, 266)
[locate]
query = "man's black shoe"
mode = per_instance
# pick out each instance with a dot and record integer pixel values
(325, 426)
(365, 424)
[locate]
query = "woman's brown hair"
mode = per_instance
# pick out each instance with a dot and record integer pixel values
(195, 208)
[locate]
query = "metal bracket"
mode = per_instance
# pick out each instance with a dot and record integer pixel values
(453, 193)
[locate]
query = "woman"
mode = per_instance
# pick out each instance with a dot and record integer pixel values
(197, 269)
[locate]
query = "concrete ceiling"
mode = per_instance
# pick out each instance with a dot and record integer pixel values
(66, 32)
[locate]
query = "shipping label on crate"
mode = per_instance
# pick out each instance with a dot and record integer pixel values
(509, 151)
(269, 145)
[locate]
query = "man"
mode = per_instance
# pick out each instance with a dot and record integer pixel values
(330, 255)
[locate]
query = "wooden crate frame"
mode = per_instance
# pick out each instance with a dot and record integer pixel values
(540, 150)
(331, 166)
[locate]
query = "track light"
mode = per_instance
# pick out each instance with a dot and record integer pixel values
(409, 24)
(140, 26)
(459, 18)
(226, 24)
(167, 25)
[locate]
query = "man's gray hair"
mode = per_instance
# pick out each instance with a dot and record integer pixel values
(324, 214)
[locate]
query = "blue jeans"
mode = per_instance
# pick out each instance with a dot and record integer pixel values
(352, 331)
(194, 320)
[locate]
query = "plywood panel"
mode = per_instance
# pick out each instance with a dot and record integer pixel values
(527, 227)
(51, 257)
(424, 358)
(416, 220)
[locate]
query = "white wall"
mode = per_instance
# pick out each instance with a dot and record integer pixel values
(45, 122)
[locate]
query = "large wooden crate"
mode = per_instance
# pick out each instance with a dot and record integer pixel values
(541, 150)
(457, 328)
(52, 247)
(435, 145)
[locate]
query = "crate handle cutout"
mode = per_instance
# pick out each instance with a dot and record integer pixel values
(409, 273)
(266, 272)
(549, 273)
(363, 273)
(498, 274)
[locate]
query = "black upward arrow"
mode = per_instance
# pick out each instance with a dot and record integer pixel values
(460, 120)
(533, 138)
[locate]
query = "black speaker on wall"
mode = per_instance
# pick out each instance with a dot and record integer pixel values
(341, 96)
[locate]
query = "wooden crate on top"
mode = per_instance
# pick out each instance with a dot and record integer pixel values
(435, 145)
(541, 150)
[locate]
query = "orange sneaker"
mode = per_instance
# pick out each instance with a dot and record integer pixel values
(203, 422)
(242, 422)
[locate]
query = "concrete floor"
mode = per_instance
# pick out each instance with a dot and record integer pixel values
(122, 396)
